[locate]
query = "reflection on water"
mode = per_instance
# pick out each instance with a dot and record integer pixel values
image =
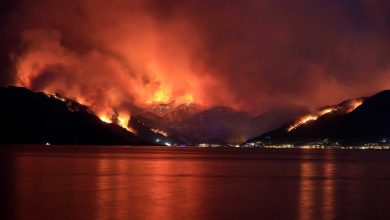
(328, 188)
(307, 193)
(172, 183)
(317, 188)
(152, 188)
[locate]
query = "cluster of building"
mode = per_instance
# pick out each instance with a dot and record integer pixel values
(217, 145)
(381, 145)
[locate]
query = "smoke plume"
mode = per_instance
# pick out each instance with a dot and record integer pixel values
(250, 55)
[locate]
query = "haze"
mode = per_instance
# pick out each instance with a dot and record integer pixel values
(253, 56)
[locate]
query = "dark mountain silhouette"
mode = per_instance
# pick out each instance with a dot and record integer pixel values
(368, 123)
(220, 125)
(36, 118)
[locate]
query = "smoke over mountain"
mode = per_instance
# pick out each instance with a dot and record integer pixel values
(250, 55)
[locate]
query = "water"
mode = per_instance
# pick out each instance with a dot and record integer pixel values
(193, 183)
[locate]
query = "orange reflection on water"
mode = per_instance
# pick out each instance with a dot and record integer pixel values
(328, 207)
(306, 197)
(113, 188)
(161, 191)
(103, 188)
(154, 188)
(317, 188)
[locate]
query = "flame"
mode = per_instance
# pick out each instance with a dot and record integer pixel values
(105, 119)
(148, 74)
(188, 99)
(353, 105)
(311, 117)
(56, 96)
(162, 95)
(122, 120)
(110, 117)
(345, 108)
(158, 131)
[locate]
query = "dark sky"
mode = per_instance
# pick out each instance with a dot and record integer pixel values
(253, 55)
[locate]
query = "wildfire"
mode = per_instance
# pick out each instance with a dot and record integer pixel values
(56, 96)
(311, 117)
(344, 108)
(354, 104)
(146, 75)
(158, 131)
(163, 95)
(120, 119)
(110, 117)
(105, 119)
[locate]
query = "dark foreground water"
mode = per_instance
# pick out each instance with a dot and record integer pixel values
(193, 183)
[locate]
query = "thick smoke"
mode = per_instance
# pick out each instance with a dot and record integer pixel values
(251, 55)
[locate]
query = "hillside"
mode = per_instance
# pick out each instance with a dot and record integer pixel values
(37, 118)
(346, 123)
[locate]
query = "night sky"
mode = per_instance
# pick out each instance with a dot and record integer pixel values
(253, 56)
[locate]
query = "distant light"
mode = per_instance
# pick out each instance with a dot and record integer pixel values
(167, 144)
(47, 144)
(157, 140)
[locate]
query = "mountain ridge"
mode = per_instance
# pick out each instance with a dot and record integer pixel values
(368, 122)
(37, 118)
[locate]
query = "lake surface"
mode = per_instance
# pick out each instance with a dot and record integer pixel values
(193, 183)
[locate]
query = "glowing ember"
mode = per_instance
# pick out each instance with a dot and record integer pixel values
(158, 131)
(55, 96)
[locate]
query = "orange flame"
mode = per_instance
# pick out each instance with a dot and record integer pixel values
(346, 108)
(121, 120)
(162, 95)
(310, 117)
(158, 131)
(353, 105)
(105, 119)
(105, 83)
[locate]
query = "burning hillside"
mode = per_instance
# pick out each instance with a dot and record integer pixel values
(121, 119)
(352, 122)
(145, 52)
(343, 108)
(38, 118)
